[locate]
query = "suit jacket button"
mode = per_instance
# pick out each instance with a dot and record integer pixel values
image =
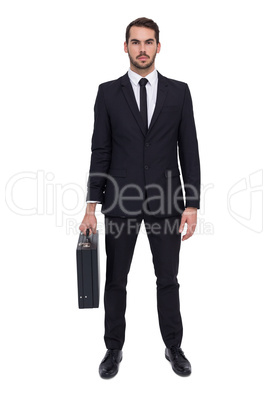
(146, 167)
(147, 144)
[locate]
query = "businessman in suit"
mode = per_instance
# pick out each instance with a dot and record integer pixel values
(143, 122)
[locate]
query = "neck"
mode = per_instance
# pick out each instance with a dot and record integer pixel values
(142, 71)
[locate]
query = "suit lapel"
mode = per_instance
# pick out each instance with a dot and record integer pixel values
(161, 96)
(130, 98)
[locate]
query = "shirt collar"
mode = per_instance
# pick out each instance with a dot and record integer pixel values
(135, 78)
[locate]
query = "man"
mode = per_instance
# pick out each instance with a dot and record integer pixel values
(142, 122)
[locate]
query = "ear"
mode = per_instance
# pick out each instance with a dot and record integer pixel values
(125, 47)
(158, 47)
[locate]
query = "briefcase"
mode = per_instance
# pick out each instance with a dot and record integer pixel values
(87, 258)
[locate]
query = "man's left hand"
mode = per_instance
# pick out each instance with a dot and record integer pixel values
(189, 216)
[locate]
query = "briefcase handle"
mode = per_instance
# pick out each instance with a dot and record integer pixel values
(87, 243)
(87, 236)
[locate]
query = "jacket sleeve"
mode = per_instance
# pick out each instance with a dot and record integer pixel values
(188, 153)
(101, 148)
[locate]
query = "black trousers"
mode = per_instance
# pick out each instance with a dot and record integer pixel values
(120, 239)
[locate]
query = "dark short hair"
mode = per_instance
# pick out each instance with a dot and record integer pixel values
(143, 22)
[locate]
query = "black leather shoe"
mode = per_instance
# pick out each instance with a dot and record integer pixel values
(178, 361)
(110, 364)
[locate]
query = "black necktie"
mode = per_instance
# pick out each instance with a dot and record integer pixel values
(143, 102)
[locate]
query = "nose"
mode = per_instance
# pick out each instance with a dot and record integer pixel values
(142, 48)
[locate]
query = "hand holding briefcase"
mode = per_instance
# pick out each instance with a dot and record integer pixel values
(87, 258)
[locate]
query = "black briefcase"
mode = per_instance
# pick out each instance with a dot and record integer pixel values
(87, 258)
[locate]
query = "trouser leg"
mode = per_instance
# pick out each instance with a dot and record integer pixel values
(165, 240)
(120, 239)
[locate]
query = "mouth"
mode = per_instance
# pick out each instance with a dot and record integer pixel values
(143, 58)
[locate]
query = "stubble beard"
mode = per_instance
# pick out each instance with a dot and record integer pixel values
(142, 66)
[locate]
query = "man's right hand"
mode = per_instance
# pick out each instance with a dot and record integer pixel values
(89, 221)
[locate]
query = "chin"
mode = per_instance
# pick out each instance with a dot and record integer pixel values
(144, 65)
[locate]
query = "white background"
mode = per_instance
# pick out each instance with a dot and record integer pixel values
(54, 54)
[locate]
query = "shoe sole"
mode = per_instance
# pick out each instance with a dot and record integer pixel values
(187, 374)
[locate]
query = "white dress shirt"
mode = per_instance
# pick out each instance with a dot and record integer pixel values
(151, 91)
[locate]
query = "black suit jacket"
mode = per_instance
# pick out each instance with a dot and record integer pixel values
(128, 164)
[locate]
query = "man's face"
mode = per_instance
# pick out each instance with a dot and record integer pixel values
(142, 47)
